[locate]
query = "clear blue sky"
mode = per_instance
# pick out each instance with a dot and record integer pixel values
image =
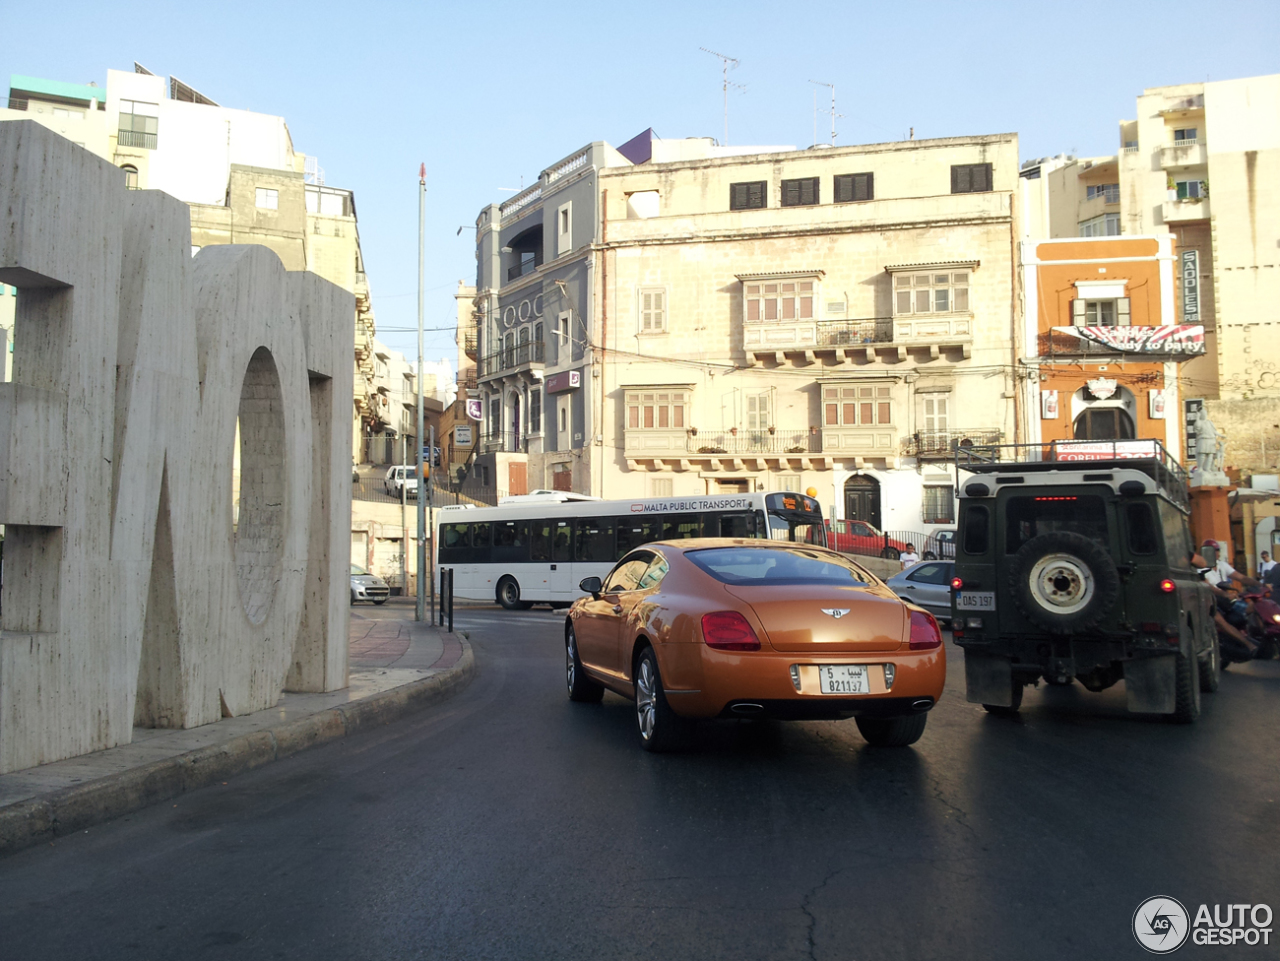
(488, 93)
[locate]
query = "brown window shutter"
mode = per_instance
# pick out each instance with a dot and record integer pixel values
(869, 188)
(809, 191)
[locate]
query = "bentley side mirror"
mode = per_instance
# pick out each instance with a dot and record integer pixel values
(590, 585)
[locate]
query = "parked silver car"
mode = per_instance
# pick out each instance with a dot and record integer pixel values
(928, 584)
(368, 587)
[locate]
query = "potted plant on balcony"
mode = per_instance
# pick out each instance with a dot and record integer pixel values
(693, 432)
(773, 430)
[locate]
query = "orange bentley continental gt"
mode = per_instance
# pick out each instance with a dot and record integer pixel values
(722, 627)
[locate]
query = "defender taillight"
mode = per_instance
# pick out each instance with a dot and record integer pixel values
(957, 583)
(925, 635)
(1168, 586)
(729, 631)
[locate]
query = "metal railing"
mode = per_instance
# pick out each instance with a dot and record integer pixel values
(1147, 455)
(136, 138)
(516, 271)
(509, 358)
(1188, 142)
(470, 342)
(865, 330)
(1110, 194)
(755, 442)
(944, 443)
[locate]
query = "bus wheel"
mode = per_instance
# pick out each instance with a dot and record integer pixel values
(509, 594)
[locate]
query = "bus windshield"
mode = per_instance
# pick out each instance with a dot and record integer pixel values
(795, 517)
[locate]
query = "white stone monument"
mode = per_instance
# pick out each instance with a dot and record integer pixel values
(129, 595)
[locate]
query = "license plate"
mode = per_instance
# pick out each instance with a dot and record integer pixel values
(843, 679)
(976, 601)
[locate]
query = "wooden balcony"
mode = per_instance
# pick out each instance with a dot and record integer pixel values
(801, 343)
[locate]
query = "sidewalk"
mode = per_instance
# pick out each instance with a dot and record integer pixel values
(397, 666)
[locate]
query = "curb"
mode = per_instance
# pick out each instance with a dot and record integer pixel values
(73, 809)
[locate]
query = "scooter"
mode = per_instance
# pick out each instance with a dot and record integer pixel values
(1264, 625)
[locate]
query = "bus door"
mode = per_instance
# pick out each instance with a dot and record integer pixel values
(551, 553)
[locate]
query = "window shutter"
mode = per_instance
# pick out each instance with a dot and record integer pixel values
(809, 191)
(1077, 313)
(790, 193)
(981, 177)
(755, 194)
(867, 184)
(1122, 312)
(959, 180)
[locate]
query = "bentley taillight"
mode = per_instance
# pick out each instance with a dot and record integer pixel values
(925, 635)
(729, 631)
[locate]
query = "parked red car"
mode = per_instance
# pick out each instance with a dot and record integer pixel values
(859, 537)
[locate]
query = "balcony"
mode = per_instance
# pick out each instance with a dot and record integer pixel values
(505, 442)
(471, 342)
(516, 271)
(136, 138)
(689, 449)
(1185, 211)
(942, 444)
(1178, 342)
(792, 342)
(514, 359)
(1182, 154)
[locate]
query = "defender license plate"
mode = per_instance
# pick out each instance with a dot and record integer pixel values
(843, 679)
(976, 601)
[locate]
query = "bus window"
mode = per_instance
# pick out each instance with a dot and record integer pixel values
(561, 541)
(680, 526)
(455, 541)
(737, 524)
(540, 541)
(594, 540)
(634, 531)
(511, 541)
(480, 540)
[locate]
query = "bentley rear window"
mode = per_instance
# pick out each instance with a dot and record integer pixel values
(765, 566)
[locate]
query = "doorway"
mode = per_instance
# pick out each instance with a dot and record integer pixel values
(1104, 423)
(862, 499)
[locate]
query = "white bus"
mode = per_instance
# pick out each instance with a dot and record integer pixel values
(523, 554)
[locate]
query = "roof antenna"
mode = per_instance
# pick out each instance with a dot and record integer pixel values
(725, 61)
(834, 115)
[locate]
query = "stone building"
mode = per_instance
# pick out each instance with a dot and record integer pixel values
(238, 172)
(673, 318)
(1196, 165)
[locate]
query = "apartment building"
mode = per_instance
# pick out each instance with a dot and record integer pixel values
(238, 172)
(1198, 164)
(672, 318)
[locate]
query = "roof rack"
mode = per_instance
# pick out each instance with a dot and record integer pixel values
(1149, 456)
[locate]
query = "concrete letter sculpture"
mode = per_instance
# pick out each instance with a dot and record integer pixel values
(130, 594)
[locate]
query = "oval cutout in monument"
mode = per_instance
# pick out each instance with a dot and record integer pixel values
(259, 533)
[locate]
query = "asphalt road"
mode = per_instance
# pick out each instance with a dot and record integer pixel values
(510, 823)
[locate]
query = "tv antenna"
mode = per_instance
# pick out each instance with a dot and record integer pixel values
(832, 111)
(725, 60)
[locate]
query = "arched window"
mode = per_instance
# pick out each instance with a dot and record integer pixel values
(1104, 423)
(130, 176)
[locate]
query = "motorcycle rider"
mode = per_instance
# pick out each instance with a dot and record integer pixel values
(1234, 643)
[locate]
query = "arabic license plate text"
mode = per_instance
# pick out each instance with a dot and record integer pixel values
(843, 679)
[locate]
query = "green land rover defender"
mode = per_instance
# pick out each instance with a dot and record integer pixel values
(1073, 560)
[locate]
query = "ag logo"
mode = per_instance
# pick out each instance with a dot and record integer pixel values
(1161, 925)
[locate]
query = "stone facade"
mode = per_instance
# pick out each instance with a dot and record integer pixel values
(745, 328)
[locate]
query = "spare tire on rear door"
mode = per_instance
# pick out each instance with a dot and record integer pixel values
(1063, 582)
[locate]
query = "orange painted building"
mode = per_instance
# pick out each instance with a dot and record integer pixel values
(1102, 344)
